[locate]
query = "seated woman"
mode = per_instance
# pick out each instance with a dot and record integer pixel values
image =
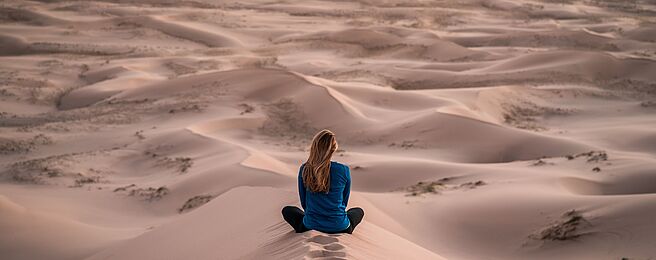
(323, 187)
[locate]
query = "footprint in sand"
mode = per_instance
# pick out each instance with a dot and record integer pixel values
(328, 247)
(334, 247)
(322, 240)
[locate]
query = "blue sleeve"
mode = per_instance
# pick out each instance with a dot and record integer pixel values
(347, 188)
(301, 187)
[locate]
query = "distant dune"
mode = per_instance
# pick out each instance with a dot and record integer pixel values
(478, 129)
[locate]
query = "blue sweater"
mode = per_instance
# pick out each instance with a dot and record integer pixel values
(326, 212)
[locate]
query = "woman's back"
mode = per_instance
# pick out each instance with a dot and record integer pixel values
(324, 187)
(327, 211)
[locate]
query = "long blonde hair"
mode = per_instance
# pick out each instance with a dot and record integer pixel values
(316, 172)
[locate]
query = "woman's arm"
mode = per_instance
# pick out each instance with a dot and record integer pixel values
(347, 188)
(301, 187)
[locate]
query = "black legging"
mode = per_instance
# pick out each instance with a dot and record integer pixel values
(294, 216)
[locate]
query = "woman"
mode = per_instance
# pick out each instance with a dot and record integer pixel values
(323, 187)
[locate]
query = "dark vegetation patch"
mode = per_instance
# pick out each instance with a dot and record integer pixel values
(82, 180)
(592, 156)
(629, 7)
(181, 164)
(179, 69)
(246, 108)
(406, 144)
(37, 171)
(443, 184)
(526, 115)
(541, 162)
(139, 134)
(124, 188)
(8, 146)
(568, 227)
(149, 194)
(471, 184)
(648, 104)
(195, 202)
(187, 108)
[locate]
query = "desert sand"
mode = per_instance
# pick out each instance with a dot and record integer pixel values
(478, 129)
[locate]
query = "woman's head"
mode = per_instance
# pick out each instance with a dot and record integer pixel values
(316, 173)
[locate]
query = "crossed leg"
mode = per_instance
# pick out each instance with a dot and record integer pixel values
(294, 216)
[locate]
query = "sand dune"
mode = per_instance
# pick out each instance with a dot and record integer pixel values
(210, 39)
(483, 129)
(12, 45)
(64, 237)
(273, 240)
(30, 16)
